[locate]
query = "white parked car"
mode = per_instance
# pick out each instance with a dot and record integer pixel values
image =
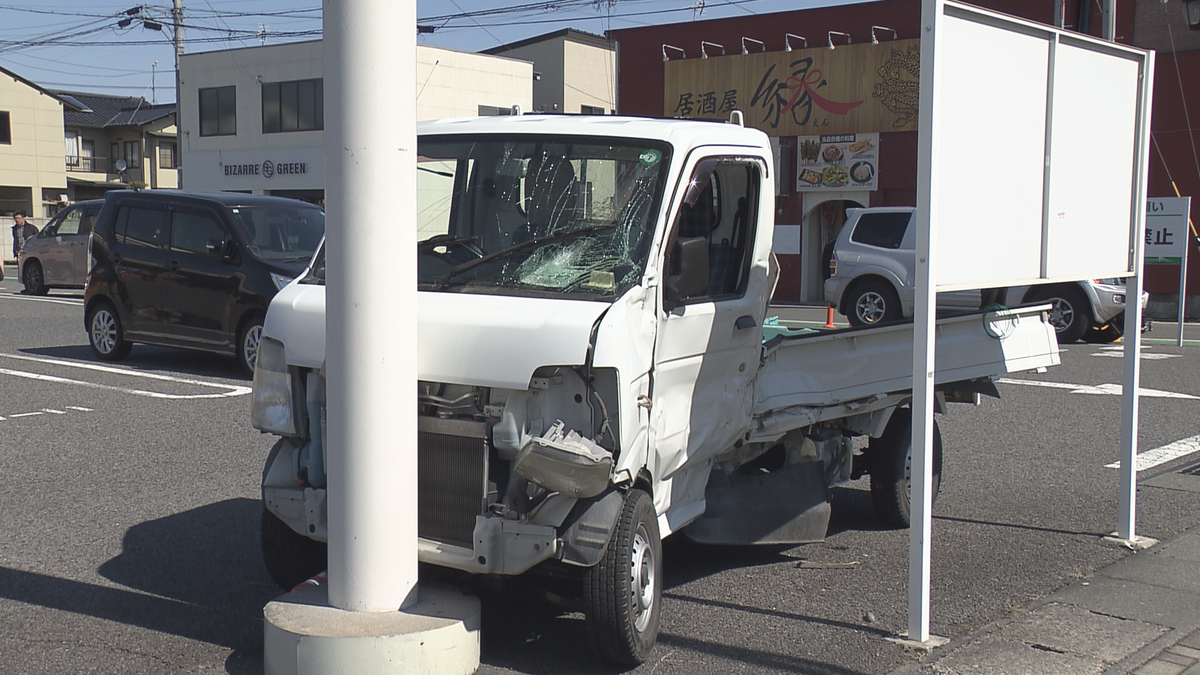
(871, 271)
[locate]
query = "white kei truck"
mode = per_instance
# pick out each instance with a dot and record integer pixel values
(599, 367)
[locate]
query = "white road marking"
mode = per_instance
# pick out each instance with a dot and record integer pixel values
(1104, 389)
(1119, 353)
(1162, 455)
(31, 414)
(36, 298)
(79, 408)
(53, 411)
(44, 411)
(230, 389)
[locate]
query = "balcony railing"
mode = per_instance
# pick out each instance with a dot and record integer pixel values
(88, 164)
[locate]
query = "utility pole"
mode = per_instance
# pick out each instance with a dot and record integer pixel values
(177, 20)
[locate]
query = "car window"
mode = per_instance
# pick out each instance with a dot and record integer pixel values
(89, 219)
(885, 230)
(69, 223)
(141, 226)
(194, 231)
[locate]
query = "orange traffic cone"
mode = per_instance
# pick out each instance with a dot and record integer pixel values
(829, 318)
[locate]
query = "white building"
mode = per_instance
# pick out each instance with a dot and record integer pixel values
(252, 120)
(574, 72)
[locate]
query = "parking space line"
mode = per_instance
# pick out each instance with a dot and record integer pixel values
(28, 414)
(1163, 454)
(229, 389)
(35, 298)
(1102, 389)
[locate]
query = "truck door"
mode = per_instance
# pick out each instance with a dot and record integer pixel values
(709, 343)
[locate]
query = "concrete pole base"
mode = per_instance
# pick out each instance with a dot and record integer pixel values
(304, 634)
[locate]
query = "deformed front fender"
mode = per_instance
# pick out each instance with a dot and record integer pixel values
(588, 528)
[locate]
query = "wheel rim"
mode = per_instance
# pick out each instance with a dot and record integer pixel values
(104, 331)
(33, 277)
(1062, 314)
(644, 578)
(250, 345)
(870, 307)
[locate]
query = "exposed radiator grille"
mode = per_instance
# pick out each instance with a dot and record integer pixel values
(452, 478)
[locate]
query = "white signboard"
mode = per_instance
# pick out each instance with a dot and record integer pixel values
(1167, 230)
(837, 163)
(1036, 180)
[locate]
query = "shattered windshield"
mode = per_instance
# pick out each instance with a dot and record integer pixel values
(536, 215)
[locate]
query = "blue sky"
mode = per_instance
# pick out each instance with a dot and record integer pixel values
(79, 45)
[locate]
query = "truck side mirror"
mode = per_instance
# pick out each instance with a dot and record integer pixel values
(688, 271)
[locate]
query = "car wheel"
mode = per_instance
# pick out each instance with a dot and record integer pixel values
(34, 279)
(891, 469)
(623, 591)
(105, 334)
(1069, 312)
(290, 558)
(873, 302)
(248, 341)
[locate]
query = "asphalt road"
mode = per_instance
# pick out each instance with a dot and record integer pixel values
(129, 512)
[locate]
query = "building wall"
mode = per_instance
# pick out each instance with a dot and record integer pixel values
(449, 84)
(33, 166)
(547, 58)
(590, 77)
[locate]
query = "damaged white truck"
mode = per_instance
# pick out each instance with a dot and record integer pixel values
(598, 369)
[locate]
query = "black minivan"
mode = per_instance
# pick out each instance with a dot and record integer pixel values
(192, 270)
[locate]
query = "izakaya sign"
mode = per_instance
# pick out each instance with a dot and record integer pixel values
(809, 91)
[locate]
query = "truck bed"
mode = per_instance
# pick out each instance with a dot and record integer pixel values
(809, 375)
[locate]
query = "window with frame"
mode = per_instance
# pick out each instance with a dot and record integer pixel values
(72, 148)
(218, 111)
(133, 154)
(721, 207)
(591, 109)
(885, 230)
(193, 232)
(142, 226)
(298, 105)
(166, 155)
(5, 128)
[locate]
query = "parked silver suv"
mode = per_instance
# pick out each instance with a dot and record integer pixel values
(871, 272)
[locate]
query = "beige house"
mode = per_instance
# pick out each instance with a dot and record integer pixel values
(32, 173)
(574, 71)
(253, 119)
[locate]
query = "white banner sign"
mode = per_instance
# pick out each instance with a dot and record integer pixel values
(1167, 230)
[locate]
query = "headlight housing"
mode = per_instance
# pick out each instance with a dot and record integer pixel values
(273, 409)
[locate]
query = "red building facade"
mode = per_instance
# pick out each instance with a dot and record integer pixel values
(780, 71)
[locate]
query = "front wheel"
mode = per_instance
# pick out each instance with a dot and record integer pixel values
(623, 591)
(891, 469)
(105, 334)
(248, 340)
(290, 558)
(873, 302)
(34, 279)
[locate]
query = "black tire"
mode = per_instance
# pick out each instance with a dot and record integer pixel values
(290, 558)
(105, 333)
(623, 592)
(891, 469)
(247, 347)
(872, 302)
(1070, 313)
(34, 279)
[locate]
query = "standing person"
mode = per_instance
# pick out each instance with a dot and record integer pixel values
(22, 229)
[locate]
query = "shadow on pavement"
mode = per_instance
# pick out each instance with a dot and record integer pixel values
(149, 358)
(205, 567)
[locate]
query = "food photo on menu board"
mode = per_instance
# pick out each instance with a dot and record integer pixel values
(841, 162)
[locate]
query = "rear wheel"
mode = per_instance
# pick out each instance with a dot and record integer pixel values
(34, 279)
(873, 301)
(290, 558)
(891, 469)
(105, 334)
(623, 591)
(1070, 313)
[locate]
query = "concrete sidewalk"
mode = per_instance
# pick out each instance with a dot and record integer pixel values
(1138, 616)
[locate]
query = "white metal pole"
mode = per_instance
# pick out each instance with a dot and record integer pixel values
(1182, 286)
(1127, 524)
(370, 169)
(924, 334)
